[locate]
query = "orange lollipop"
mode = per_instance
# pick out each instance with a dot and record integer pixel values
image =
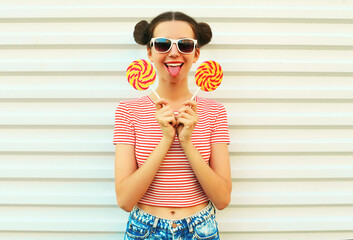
(140, 74)
(208, 76)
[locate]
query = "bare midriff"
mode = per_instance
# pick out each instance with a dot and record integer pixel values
(171, 213)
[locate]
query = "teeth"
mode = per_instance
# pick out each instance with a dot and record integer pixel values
(174, 64)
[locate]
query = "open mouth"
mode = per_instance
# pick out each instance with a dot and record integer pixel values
(174, 68)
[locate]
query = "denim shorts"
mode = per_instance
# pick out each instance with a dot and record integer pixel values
(201, 225)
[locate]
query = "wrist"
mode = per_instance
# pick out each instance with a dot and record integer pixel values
(185, 142)
(167, 139)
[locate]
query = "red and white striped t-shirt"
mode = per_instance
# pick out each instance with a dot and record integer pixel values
(175, 184)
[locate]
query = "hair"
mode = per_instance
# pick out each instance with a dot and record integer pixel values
(144, 31)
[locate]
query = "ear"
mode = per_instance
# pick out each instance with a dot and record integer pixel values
(196, 55)
(149, 54)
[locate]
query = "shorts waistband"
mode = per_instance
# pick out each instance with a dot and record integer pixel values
(177, 224)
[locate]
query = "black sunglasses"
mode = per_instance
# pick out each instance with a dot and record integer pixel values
(163, 45)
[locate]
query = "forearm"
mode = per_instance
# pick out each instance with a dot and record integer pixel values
(217, 188)
(130, 190)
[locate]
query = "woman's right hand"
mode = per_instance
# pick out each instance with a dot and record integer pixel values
(165, 118)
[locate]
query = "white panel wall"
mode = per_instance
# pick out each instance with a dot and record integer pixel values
(288, 89)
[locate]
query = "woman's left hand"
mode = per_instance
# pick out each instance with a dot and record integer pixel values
(187, 120)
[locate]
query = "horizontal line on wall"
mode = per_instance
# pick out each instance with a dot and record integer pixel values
(261, 126)
(55, 126)
(247, 202)
(35, 205)
(59, 153)
(213, 46)
(63, 233)
(29, 233)
(268, 224)
(288, 153)
(307, 179)
(107, 126)
(68, 20)
(309, 231)
(277, 46)
(234, 205)
(53, 153)
(273, 234)
(258, 234)
(283, 100)
(287, 205)
(235, 121)
(17, 179)
(291, 180)
(201, 19)
(226, 73)
(289, 74)
(64, 73)
(231, 153)
(68, 153)
(77, 100)
(245, 173)
(72, 46)
(224, 100)
(238, 180)
(279, 20)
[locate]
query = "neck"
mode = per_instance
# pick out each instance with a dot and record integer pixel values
(177, 92)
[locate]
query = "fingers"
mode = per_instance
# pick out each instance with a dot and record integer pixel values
(164, 114)
(169, 120)
(191, 104)
(190, 108)
(187, 114)
(186, 120)
(187, 117)
(160, 103)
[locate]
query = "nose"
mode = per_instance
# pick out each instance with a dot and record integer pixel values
(174, 50)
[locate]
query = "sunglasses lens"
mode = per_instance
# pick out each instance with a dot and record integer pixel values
(186, 45)
(162, 44)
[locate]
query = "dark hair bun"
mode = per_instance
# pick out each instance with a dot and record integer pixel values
(141, 33)
(205, 34)
(144, 31)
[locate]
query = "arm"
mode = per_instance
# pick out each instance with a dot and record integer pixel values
(131, 183)
(214, 178)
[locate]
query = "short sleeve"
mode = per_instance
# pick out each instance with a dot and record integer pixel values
(124, 131)
(219, 128)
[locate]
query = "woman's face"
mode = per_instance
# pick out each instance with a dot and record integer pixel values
(167, 64)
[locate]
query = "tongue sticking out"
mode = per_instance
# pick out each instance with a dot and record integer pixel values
(174, 71)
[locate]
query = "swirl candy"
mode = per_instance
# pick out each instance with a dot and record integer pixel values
(209, 75)
(140, 74)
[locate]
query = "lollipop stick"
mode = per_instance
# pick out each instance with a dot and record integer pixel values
(155, 92)
(192, 98)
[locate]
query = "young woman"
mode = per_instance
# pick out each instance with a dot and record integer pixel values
(172, 162)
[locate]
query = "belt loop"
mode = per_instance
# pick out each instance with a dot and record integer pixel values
(188, 220)
(155, 222)
(214, 208)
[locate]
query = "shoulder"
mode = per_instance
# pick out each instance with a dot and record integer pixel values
(137, 104)
(136, 101)
(209, 105)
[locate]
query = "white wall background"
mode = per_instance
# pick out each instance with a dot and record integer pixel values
(288, 89)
